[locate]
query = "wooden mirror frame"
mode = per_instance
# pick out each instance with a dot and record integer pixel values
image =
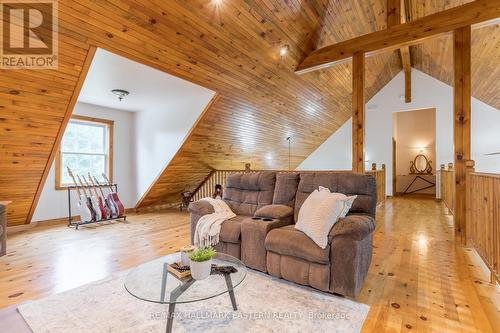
(415, 170)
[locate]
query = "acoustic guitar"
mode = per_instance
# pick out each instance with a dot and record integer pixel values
(96, 201)
(82, 204)
(111, 205)
(114, 197)
(92, 201)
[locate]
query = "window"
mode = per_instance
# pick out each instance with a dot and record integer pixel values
(86, 147)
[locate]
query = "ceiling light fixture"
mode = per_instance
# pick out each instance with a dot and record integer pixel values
(284, 50)
(120, 93)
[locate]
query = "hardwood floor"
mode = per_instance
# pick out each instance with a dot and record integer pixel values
(419, 281)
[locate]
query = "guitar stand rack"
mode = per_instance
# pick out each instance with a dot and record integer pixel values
(79, 223)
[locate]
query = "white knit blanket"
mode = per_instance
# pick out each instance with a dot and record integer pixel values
(208, 227)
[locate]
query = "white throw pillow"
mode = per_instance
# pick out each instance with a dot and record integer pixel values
(310, 204)
(319, 213)
(349, 200)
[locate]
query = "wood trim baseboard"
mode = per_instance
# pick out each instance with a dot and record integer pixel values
(155, 208)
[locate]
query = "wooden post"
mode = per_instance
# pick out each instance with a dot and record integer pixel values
(393, 12)
(358, 112)
(405, 59)
(462, 113)
(374, 166)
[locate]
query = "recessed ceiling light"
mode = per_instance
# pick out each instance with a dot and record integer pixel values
(284, 50)
(120, 93)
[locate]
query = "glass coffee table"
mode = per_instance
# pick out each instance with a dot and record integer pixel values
(152, 282)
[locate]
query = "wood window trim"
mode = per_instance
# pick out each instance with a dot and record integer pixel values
(58, 169)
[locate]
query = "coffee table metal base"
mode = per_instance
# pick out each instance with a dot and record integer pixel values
(182, 288)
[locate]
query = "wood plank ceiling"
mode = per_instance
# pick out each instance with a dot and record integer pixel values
(435, 57)
(233, 49)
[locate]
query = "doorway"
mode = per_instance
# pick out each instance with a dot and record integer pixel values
(414, 152)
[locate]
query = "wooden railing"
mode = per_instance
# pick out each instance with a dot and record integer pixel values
(216, 177)
(380, 180)
(206, 189)
(448, 186)
(483, 218)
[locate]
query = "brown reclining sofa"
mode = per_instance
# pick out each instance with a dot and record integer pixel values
(263, 236)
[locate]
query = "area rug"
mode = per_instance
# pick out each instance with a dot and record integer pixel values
(265, 304)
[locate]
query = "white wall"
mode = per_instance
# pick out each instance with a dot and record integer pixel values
(160, 132)
(53, 203)
(334, 154)
(427, 92)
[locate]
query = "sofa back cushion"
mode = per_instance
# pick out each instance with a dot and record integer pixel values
(247, 192)
(342, 182)
(286, 188)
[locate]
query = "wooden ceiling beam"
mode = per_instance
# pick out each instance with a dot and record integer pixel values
(400, 35)
(404, 52)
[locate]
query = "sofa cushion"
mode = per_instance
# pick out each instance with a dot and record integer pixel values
(341, 182)
(286, 188)
(274, 211)
(247, 192)
(294, 243)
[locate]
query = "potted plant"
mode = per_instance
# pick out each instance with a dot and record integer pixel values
(201, 262)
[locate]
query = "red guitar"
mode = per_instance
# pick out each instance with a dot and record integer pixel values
(113, 196)
(109, 204)
(102, 209)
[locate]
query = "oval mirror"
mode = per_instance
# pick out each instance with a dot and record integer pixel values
(420, 163)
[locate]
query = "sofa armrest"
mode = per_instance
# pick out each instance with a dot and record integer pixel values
(253, 238)
(279, 212)
(355, 226)
(198, 209)
(351, 242)
(201, 207)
